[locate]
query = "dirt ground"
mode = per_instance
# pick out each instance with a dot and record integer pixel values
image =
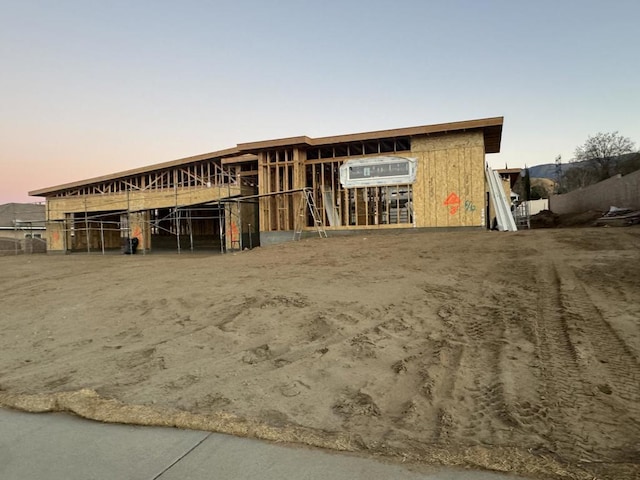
(514, 352)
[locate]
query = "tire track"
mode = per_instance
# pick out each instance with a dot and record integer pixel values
(560, 372)
(611, 373)
(448, 361)
(589, 376)
(614, 360)
(480, 394)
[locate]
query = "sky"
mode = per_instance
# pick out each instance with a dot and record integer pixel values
(89, 88)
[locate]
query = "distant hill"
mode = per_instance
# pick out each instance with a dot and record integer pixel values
(543, 184)
(548, 170)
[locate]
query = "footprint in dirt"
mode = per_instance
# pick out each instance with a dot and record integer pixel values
(257, 355)
(363, 347)
(356, 404)
(319, 329)
(293, 389)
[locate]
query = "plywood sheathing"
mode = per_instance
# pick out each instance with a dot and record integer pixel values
(138, 200)
(449, 190)
(60, 211)
(239, 218)
(140, 228)
(55, 235)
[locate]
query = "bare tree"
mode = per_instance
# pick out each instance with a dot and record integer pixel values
(601, 151)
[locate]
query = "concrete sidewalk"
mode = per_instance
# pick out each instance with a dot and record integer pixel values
(65, 447)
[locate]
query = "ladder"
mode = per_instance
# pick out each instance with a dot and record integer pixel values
(309, 202)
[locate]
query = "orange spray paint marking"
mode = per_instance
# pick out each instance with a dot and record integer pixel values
(453, 202)
(234, 232)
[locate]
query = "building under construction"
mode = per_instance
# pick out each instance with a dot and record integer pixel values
(430, 176)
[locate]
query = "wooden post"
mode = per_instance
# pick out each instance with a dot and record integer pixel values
(86, 226)
(102, 235)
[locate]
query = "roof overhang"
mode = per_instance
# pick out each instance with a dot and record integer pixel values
(221, 154)
(491, 128)
(512, 173)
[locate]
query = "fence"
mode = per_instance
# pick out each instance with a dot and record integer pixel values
(22, 229)
(619, 191)
(14, 246)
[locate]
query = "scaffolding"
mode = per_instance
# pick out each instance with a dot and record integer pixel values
(110, 231)
(212, 226)
(217, 225)
(180, 227)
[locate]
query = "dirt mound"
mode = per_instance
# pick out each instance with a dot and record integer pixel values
(582, 219)
(514, 352)
(544, 219)
(548, 219)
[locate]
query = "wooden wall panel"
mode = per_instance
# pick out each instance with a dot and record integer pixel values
(137, 200)
(56, 237)
(141, 229)
(449, 188)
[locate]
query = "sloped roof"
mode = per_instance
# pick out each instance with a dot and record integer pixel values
(491, 128)
(21, 212)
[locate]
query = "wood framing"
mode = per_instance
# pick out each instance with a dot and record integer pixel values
(448, 191)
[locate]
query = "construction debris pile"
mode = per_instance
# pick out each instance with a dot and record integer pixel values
(615, 217)
(619, 217)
